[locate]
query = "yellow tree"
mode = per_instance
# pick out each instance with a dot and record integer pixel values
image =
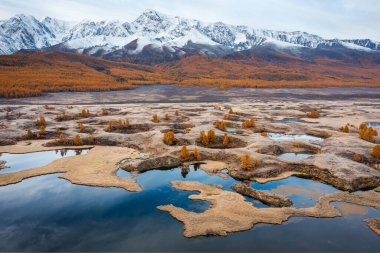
(90, 139)
(29, 134)
(197, 156)
(169, 138)
(246, 163)
(225, 140)
(203, 138)
(81, 127)
(42, 130)
(41, 121)
(356, 157)
(155, 118)
(77, 140)
(184, 153)
(376, 152)
(211, 135)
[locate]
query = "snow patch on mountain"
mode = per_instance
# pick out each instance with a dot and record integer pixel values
(156, 30)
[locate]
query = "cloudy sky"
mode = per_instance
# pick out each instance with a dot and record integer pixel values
(328, 18)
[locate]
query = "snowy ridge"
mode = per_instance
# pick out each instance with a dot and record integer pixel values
(156, 30)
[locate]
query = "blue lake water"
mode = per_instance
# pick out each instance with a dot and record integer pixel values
(17, 162)
(50, 214)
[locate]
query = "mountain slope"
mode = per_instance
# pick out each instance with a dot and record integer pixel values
(30, 74)
(169, 37)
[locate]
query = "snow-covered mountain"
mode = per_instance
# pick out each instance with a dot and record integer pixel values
(154, 33)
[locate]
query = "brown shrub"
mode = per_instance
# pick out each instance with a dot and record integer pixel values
(313, 114)
(344, 129)
(155, 118)
(41, 121)
(356, 157)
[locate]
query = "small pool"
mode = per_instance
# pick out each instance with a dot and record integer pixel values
(231, 130)
(295, 155)
(290, 120)
(373, 124)
(18, 162)
(295, 137)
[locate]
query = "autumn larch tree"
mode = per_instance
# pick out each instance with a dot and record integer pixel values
(367, 133)
(376, 152)
(169, 138)
(41, 121)
(176, 113)
(197, 156)
(184, 153)
(344, 129)
(225, 140)
(77, 140)
(90, 139)
(42, 130)
(203, 138)
(29, 134)
(81, 127)
(155, 118)
(166, 117)
(246, 163)
(356, 157)
(313, 114)
(211, 135)
(104, 112)
(85, 113)
(63, 139)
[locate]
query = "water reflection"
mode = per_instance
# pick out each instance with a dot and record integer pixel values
(18, 162)
(290, 120)
(295, 137)
(295, 155)
(50, 214)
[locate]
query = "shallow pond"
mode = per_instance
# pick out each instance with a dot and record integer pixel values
(290, 120)
(295, 137)
(295, 155)
(231, 130)
(17, 162)
(50, 214)
(373, 124)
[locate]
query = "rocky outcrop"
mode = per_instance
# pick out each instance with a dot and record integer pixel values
(374, 225)
(266, 197)
(163, 162)
(230, 212)
(2, 165)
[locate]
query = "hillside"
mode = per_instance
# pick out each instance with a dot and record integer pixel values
(31, 73)
(267, 68)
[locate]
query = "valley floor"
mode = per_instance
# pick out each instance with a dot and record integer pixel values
(282, 130)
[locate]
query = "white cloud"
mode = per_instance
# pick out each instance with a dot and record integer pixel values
(333, 18)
